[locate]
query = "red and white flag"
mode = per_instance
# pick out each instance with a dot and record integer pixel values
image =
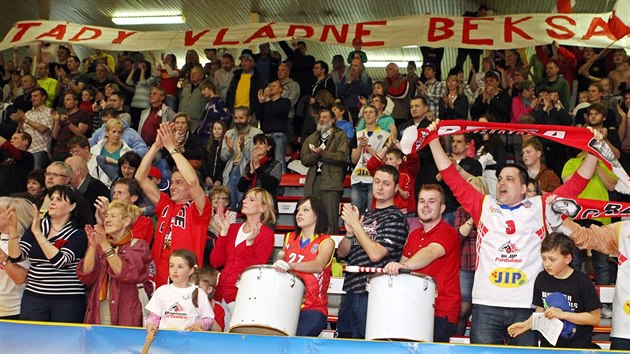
(621, 13)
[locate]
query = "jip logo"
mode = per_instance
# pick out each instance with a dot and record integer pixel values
(507, 277)
(626, 307)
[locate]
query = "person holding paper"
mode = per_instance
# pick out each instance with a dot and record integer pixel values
(564, 294)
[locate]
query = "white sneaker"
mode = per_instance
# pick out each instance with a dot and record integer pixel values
(606, 311)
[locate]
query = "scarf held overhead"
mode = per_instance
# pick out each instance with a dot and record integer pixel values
(578, 208)
(580, 138)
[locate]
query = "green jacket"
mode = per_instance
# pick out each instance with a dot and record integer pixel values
(333, 159)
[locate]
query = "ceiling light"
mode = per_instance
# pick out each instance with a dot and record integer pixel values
(148, 20)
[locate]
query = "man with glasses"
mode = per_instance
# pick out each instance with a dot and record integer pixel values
(57, 174)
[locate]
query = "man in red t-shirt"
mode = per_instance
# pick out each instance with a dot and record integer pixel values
(433, 249)
(183, 217)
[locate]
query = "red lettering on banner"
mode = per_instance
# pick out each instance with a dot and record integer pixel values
(122, 35)
(57, 33)
(469, 26)
(308, 31)
(598, 27)
(220, 36)
(441, 24)
(95, 34)
(23, 28)
(361, 32)
(264, 31)
(556, 35)
(339, 37)
(510, 27)
(190, 38)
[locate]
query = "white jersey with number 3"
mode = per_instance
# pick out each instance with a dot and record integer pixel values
(508, 253)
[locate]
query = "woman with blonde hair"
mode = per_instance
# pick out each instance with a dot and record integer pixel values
(15, 217)
(455, 104)
(112, 146)
(242, 245)
(115, 262)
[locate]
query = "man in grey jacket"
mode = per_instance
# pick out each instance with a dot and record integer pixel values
(236, 151)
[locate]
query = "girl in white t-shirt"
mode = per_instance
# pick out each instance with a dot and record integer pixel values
(180, 305)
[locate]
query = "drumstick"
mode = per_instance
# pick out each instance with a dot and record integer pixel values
(148, 341)
(359, 269)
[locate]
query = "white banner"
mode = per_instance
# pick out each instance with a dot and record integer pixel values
(498, 32)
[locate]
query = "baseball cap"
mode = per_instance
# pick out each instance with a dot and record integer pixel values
(431, 65)
(247, 54)
(558, 300)
(155, 172)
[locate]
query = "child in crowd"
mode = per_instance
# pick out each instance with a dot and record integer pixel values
(215, 110)
(582, 102)
(180, 305)
(561, 292)
(357, 44)
(208, 279)
(87, 100)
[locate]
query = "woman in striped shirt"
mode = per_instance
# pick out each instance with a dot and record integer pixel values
(54, 245)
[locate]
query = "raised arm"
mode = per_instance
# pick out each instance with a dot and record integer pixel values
(167, 135)
(142, 173)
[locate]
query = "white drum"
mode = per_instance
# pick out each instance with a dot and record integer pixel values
(401, 307)
(267, 302)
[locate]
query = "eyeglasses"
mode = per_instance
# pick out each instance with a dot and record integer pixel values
(55, 175)
(220, 198)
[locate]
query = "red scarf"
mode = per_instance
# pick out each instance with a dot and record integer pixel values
(580, 138)
(578, 208)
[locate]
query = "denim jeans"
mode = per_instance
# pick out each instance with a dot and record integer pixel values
(466, 282)
(281, 141)
(234, 177)
(353, 316)
(362, 196)
(601, 267)
(40, 160)
(171, 101)
(311, 323)
(489, 326)
(443, 329)
(619, 343)
(449, 218)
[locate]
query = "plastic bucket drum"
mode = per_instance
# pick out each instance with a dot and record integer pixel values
(267, 302)
(401, 307)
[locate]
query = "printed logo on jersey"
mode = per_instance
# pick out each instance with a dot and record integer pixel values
(362, 171)
(527, 203)
(176, 308)
(371, 229)
(626, 308)
(509, 253)
(314, 248)
(495, 210)
(507, 278)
